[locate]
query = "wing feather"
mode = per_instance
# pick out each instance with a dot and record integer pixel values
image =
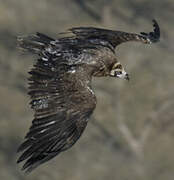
(62, 105)
(115, 38)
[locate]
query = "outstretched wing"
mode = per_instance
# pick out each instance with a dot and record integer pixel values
(62, 101)
(117, 37)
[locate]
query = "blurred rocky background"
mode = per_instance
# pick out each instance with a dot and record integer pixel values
(131, 134)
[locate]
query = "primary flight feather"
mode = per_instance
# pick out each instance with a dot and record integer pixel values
(60, 85)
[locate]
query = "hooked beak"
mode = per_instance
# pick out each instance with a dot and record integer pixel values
(127, 77)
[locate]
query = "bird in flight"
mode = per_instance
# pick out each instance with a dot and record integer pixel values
(60, 85)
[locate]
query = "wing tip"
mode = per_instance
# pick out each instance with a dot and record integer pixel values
(154, 36)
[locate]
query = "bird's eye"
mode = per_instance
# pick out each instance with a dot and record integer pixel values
(118, 73)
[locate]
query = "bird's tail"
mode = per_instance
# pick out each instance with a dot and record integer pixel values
(33, 43)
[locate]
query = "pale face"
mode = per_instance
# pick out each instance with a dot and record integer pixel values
(119, 72)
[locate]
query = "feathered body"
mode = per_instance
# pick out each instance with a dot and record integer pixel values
(60, 85)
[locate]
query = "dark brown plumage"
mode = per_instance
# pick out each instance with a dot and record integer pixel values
(60, 85)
